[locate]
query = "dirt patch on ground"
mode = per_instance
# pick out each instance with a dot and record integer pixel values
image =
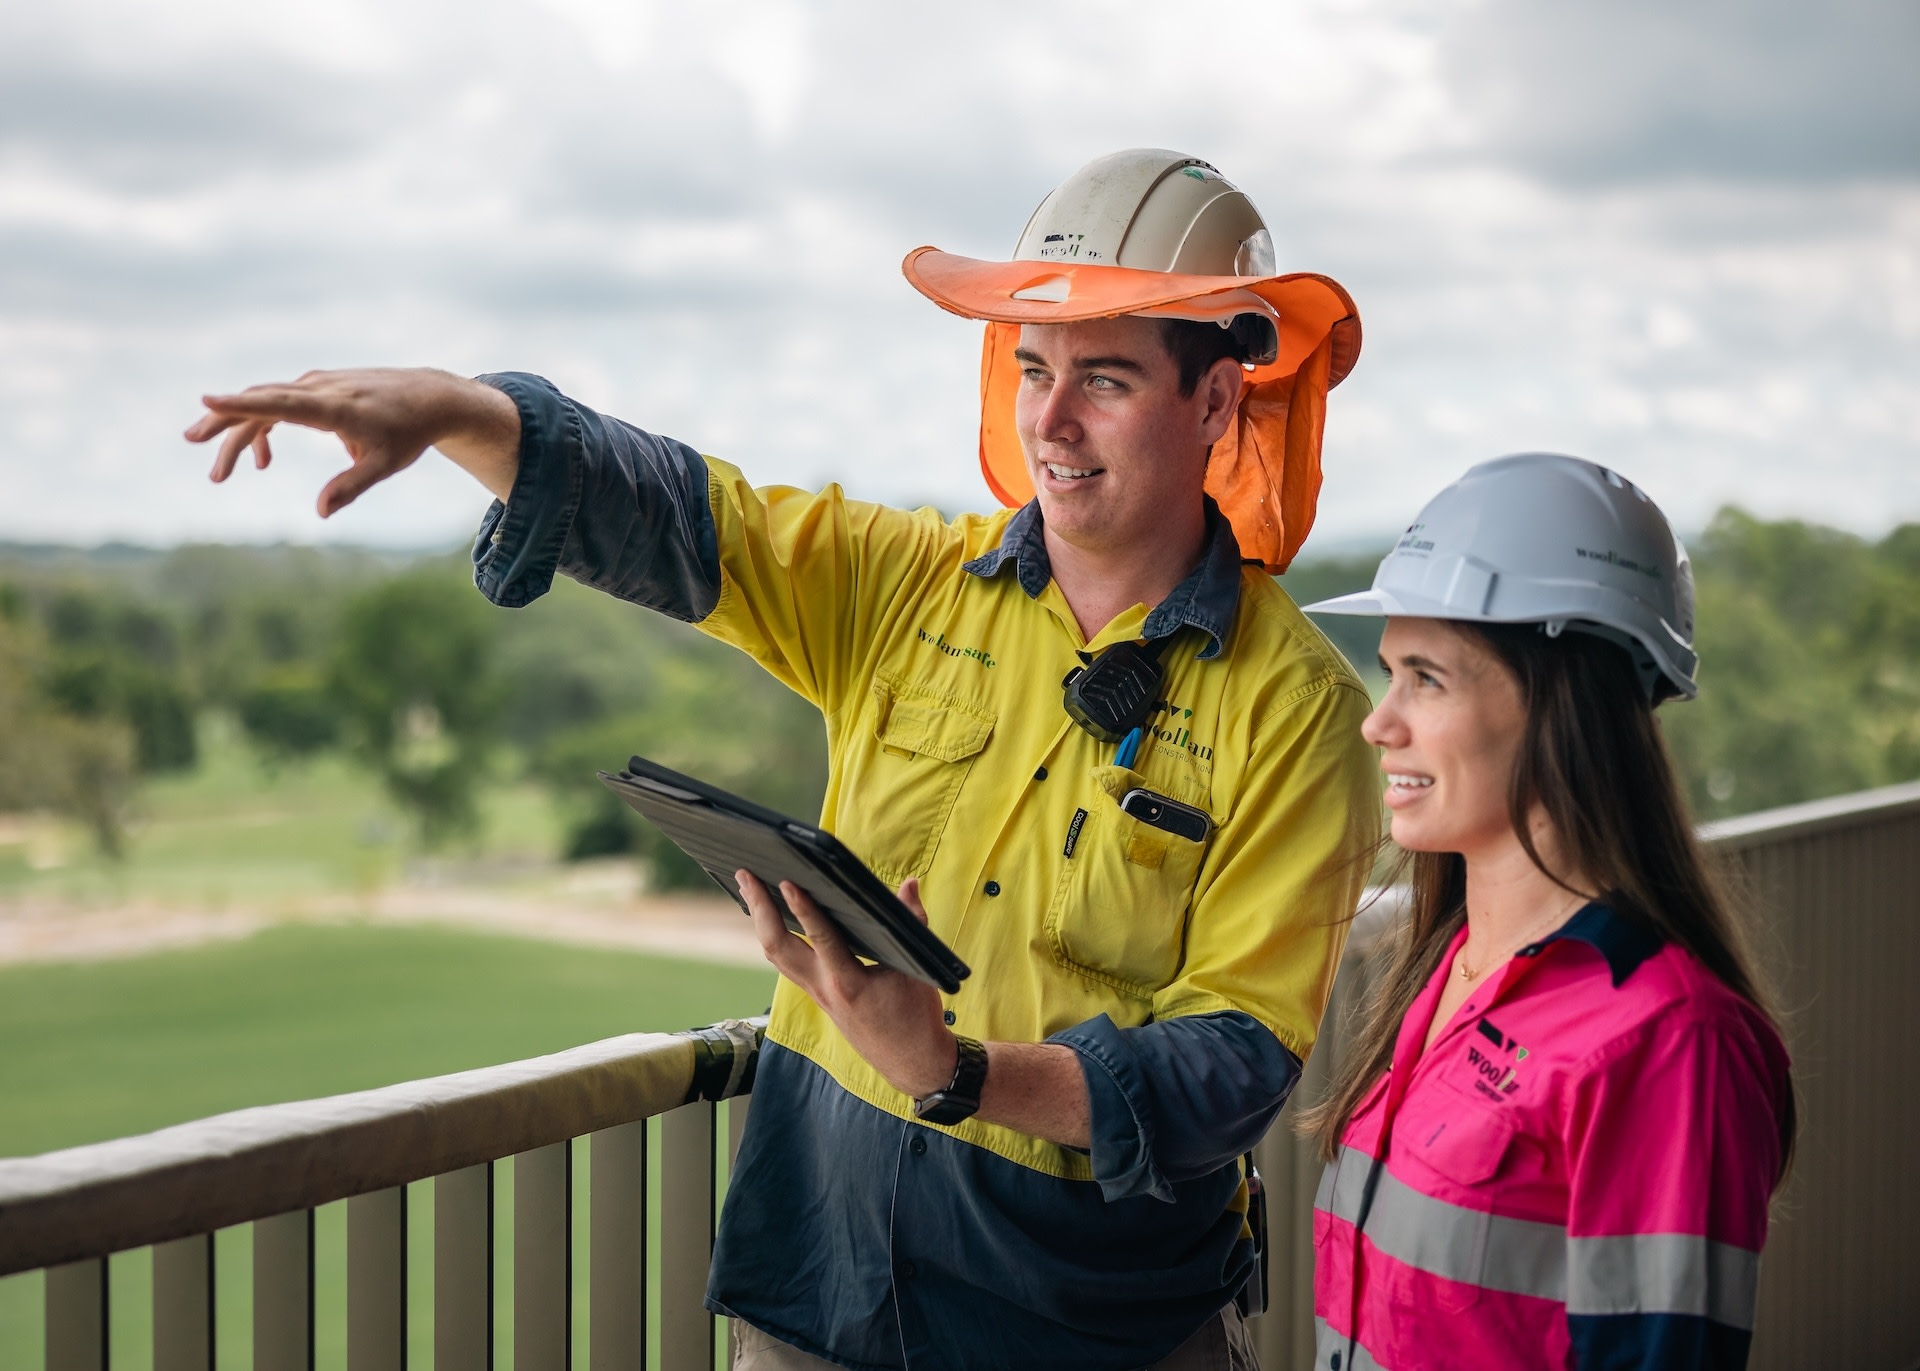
(699, 927)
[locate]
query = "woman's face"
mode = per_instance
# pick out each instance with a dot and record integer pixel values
(1448, 731)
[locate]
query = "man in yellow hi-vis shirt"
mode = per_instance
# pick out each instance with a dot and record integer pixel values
(1043, 1169)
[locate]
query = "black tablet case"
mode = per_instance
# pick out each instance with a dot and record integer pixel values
(724, 833)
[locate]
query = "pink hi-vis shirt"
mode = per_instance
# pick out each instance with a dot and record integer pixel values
(1577, 1174)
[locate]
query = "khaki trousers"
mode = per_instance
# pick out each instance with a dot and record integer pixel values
(1222, 1345)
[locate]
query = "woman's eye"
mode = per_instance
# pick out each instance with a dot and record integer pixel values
(1425, 679)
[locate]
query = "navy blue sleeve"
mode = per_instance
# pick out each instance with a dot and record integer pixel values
(1656, 1342)
(611, 506)
(1178, 1099)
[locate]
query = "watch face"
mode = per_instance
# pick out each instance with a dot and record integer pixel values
(944, 1107)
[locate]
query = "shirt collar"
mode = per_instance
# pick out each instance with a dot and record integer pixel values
(1206, 600)
(1625, 942)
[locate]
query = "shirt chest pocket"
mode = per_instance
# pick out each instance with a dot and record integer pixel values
(1119, 910)
(1446, 1232)
(906, 773)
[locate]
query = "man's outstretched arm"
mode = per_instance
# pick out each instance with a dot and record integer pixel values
(385, 417)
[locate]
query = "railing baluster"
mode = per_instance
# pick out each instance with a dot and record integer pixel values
(617, 1242)
(463, 1269)
(283, 1292)
(183, 1304)
(686, 1237)
(376, 1281)
(76, 1304)
(736, 1129)
(542, 1258)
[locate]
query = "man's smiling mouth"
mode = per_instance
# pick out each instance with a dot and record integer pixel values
(1060, 472)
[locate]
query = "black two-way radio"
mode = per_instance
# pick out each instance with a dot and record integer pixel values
(1115, 692)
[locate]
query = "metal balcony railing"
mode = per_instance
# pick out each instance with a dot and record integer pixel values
(1836, 885)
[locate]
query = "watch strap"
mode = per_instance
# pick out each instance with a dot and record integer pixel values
(961, 1097)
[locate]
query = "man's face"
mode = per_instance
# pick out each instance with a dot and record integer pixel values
(1112, 446)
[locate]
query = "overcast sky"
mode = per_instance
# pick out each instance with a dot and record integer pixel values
(1683, 240)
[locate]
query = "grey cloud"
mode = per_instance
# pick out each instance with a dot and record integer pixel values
(115, 280)
(658, 144)
(162, 130)
(1739, 90)
(56, 274)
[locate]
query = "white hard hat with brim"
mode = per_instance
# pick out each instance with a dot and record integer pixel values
(1540, 538)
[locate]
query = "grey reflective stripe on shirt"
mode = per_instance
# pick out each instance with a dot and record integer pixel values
(1663, 1273)
(1343, 1184)
(1328, 1344)
(1636, 1273)
(1455, 1243)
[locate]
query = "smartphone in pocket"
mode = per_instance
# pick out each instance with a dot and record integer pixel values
(1169, 816)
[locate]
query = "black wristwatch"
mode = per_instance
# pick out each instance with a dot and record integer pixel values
(962, 1096)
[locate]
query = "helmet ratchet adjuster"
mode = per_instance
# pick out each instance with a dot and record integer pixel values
(1115, 692)
(1256, 338)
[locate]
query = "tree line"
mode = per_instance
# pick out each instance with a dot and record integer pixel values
(109, 659)
(1809, 640)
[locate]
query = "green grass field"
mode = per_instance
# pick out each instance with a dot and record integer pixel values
(234, 830)
(102, 1049)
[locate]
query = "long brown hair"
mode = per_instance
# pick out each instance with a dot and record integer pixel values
(1593, 759)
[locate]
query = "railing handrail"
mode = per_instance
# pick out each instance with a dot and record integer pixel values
(255, 1163)
(1814, 816)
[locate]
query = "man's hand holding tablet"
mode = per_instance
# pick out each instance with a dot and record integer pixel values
(892, 1020)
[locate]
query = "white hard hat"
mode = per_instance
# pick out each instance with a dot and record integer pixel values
(1150, 209)
(1538, 538)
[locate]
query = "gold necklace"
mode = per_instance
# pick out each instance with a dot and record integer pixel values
(1469, 975)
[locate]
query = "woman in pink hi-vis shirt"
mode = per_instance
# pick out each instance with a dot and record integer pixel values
(1555, 1137)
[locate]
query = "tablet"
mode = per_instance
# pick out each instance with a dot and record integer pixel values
(725, 833)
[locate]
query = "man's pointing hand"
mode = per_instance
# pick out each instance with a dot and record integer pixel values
(385, 417)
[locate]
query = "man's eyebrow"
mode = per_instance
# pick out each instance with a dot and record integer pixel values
(1034, 359)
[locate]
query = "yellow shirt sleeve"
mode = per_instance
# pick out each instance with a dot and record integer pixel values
(808, 580)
